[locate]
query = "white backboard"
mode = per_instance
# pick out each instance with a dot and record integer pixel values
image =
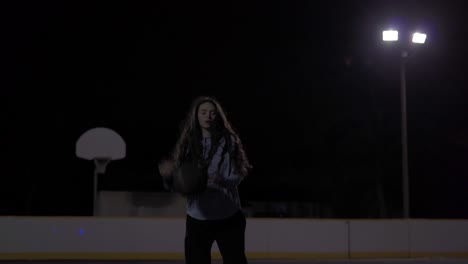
(100, 142)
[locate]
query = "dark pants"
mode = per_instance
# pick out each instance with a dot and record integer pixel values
(228, 233)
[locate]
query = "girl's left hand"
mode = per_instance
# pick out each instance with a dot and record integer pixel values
(215, 180)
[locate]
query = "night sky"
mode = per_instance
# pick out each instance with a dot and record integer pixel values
(312, 90)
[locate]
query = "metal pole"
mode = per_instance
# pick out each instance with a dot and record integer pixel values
(404, 138)
(100, 165)
(95, 192)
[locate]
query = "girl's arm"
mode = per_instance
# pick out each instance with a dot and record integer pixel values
(228, 175)
(166, 169)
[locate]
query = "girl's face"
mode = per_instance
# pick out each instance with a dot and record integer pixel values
(206, 115)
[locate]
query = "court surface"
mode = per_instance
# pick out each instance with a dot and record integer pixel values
(256, 261)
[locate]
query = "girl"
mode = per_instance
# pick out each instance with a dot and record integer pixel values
(208, 139)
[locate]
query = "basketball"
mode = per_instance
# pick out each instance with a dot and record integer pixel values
(189, 179)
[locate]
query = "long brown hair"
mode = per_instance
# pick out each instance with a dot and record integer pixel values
(189, 145)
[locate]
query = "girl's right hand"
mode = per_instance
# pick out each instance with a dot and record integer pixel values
(166, 168)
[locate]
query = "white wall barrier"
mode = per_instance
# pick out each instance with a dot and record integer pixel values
(162, 238)
(444, 238)
(379, 238)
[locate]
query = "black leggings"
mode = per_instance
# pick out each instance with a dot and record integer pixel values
(228, 233)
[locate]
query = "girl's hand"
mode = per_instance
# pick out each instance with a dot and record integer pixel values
(166, 168)
(215, 180)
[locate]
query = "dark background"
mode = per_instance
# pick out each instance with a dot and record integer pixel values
(310, 86)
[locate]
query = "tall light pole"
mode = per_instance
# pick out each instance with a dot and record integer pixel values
(418, 38)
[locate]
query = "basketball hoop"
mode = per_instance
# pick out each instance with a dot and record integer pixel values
(101, 145)
(100, 164)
